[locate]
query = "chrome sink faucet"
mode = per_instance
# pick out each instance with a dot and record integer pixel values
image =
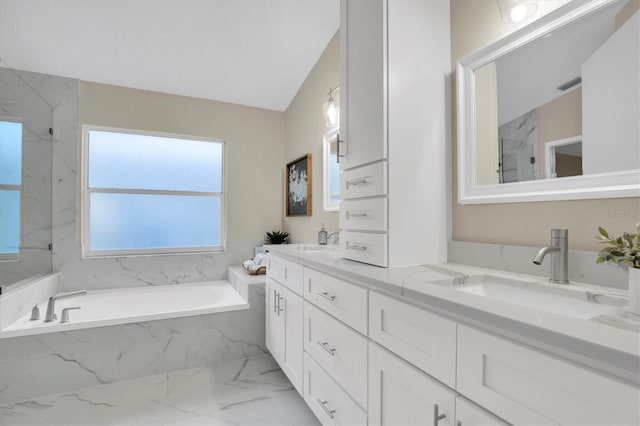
(51, 306)
(559, 256)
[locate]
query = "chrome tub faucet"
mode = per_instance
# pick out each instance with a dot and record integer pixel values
(559, 256)
(51, 305)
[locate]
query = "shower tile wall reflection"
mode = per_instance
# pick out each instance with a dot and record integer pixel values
(30, 98)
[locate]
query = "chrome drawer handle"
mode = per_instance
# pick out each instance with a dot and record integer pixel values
(350, 215)
(437, 417)
(325, 346)
(356, 182)
(280, 309)
(323, 404)
(356, 247)
(326, 295)
(275, 298)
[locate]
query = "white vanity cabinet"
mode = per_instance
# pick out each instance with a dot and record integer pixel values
(469, 414)
(284, 323)
(395, 66)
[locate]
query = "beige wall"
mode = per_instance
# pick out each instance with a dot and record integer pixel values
(487, 153)
(254, 144)
(304, 131)
(474, 24)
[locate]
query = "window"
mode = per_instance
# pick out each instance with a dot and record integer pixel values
(151, 194)
(10, 188)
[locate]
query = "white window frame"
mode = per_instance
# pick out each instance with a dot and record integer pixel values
(86, 197)
(15, 257)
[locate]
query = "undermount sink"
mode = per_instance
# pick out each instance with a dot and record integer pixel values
(568, 300)
(317, 247)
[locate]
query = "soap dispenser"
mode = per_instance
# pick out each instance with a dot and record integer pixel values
(322, 236)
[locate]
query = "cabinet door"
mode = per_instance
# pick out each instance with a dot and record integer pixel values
(363, 82)
(469, 414)
(290, 310)
(400, 394)
(528, 387)
(274, 332)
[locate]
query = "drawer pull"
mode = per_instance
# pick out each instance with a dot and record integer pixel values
(326, 295)
(280, 309)
(350, 215)
(356, 182)
(275, 298)
(325, 346)
(436, 416)
(356, 247)
(323, 404)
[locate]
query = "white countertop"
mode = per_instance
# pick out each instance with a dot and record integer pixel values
(609, 342)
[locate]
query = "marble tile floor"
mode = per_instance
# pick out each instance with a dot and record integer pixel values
(242, 392)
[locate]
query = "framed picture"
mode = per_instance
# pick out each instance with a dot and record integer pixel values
(299, 187)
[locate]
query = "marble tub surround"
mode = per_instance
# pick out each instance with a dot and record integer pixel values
(607, 346)
(37, 365)
(17, 300)
(251, 391)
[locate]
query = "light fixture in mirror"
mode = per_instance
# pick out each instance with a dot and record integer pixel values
(331, 109)
(331, 171)
(572, 75)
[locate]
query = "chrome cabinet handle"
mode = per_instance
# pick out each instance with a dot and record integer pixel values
(356, 247)
(323, 404)
(356, 182)
(338, 142)
(325, 346)
(285, 273)
(350, 215)
(275, 297)
(326, 295)
(437, 417)
(280, 309)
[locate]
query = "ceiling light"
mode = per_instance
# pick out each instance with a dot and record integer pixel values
(513, 11)
(331, 110)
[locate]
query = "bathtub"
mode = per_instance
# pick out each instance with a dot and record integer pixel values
(100, 308)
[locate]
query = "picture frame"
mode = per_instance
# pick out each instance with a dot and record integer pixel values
(298, 188)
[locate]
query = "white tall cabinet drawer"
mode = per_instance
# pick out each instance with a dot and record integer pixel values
(343, 300)
(365, 247)
(365, 181)
(426, 340)
(327, 400)
(339, 350)
(285, 272)
(369, 214)
(526, 387)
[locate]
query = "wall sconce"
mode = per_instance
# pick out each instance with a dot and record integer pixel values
(513, 11)
(331, 110)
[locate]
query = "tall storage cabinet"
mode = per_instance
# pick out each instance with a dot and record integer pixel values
(395, 109)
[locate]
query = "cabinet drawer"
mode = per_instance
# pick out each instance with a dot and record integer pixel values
(343, 300)
(525, 386)
(339, 350)
(364, 215)
(364, 247)
(366, 181)
(287, 273)
(330, 404)
(426, 340)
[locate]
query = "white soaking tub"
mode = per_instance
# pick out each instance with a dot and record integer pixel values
(100, 308)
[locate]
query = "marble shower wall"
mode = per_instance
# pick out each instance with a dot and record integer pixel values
(31, 99)
(45, 364)
(519, 142)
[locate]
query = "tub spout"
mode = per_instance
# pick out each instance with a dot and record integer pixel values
(51, 306)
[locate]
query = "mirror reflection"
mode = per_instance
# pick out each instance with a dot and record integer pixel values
(25, 176)
(331, 172)
(564, 104)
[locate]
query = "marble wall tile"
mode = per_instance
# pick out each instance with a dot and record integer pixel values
(582, 264)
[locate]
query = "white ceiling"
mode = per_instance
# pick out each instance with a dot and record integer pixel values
(250, 52)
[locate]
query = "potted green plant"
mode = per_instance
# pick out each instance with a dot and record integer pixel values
(625, 251)
(277, 237)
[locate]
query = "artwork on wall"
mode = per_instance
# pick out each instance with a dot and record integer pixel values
(299, 187)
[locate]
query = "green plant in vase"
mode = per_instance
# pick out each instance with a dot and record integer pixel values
(277, 237)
